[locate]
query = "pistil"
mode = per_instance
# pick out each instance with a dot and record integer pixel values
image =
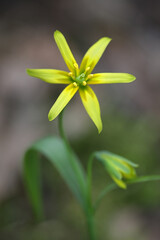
(80, 79)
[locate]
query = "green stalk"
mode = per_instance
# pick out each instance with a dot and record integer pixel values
(62, 132)
(106, 190)
(91, 228)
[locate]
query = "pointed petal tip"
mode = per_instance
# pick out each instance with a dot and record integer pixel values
(56, 32)
(135, 165)
(100, 126)
(122, 185)
(29, 71)
(50, 118)
(107, 38)
(132, 77)
(100, 129)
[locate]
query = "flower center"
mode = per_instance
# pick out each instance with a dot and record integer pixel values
(80, 79)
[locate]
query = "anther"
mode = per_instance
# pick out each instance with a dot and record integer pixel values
(84, 83)
(70, 74)
(75, 84)
(87, 69)
(90, 76)
(75, 65)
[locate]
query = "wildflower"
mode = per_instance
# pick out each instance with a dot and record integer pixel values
(119, 168)
(79, 78)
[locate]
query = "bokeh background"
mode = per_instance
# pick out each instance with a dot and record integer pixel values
(130, 113)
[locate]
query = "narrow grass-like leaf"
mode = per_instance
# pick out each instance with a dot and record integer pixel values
(32, 181)
(55, 151)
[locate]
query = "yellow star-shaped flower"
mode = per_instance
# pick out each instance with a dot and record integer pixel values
(79, 78)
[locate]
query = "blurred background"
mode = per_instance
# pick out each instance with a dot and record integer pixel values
(130, 114)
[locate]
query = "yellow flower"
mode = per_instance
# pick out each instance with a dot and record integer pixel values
(79, 78)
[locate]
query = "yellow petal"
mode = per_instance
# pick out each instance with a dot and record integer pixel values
(101, 78)
(93, 55)
(65, 51)
(62, 101)
(50, 75)
(91, 105)
(120, 183)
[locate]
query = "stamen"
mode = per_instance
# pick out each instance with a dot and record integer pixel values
(75, 84)
(87, 69)
(84, 83)
(75, 65)
(70, 74)
(90, 76)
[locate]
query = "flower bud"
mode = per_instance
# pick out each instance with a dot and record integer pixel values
(119, 168)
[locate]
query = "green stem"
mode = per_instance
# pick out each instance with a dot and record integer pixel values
(62, 132)
(91, 228)
(103, 193)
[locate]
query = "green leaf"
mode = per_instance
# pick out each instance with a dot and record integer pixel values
(55, 150)
(32, 181)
